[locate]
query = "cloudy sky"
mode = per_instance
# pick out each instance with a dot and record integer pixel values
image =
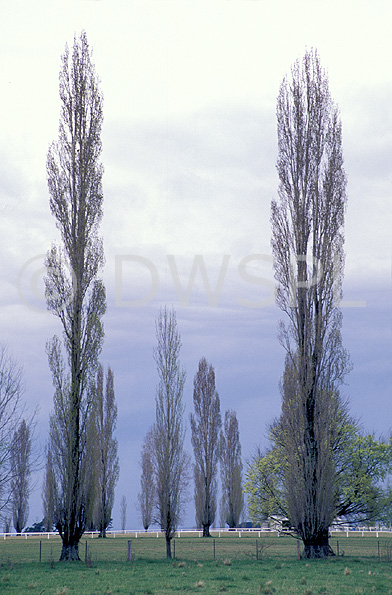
(189, 150)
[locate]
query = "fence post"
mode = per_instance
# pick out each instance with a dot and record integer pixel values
(85, 552)
(257, 550)
(40, 550)
(298, 550)
(174, 548)
(378, 551)
(214, 549)
(129, 557)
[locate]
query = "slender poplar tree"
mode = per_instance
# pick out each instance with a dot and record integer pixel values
(49, 498)
(74, 292)
(147, 494)
(171, 462)
(123, 512)
(20, 483)
(205, 426)
(11, 411)
(307, 243)
(232, 502)
(108, 465)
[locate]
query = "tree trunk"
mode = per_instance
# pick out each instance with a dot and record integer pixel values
(206, 531)
(317, 546)
(69, 552)
(168, 548)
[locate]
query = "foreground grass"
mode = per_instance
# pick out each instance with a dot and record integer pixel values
(277, 572)
(330, 577)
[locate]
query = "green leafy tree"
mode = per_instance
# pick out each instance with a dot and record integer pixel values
(361, 465)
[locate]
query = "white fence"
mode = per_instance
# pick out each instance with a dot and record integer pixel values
(216, 532)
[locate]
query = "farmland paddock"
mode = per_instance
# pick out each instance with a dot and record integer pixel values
(253, 563)
(189, 545)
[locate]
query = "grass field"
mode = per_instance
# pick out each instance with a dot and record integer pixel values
(235, 568)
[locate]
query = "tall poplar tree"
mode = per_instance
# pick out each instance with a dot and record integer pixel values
(123, 512)
(171, 462)
(307, 243)
(11, 410)
(20, 482)
(205, 426)
(147, 494)
(108, 465)
(232, 502)
(74, 293)
(49, 498)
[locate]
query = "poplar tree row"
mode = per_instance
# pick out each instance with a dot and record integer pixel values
(164, 463)
(303, 474)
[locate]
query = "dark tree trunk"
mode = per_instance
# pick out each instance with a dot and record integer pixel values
(317, 547)
(69, 552)
(102, 531)
(206, 531)
(168, 548)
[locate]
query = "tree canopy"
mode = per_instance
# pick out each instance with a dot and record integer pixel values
(362, 465)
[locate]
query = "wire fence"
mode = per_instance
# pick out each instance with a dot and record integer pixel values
(222, 546)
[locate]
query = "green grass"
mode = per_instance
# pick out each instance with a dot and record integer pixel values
(235, 569)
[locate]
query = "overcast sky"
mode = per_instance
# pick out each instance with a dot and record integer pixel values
(189, 150)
